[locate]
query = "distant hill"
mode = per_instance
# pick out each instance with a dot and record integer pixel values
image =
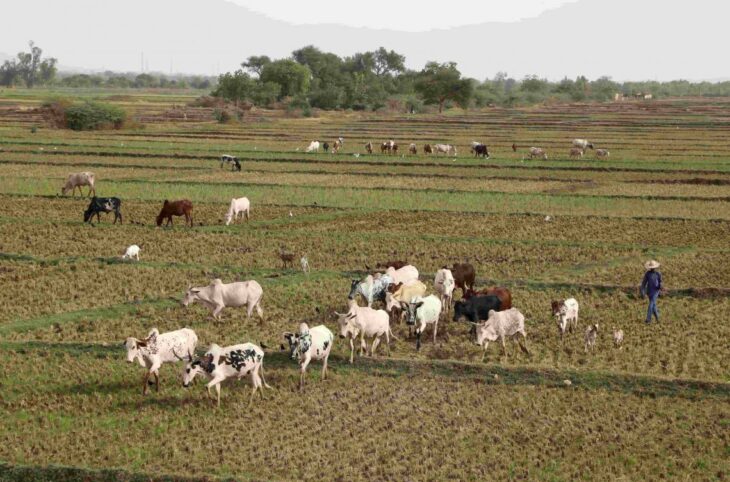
(648, 39)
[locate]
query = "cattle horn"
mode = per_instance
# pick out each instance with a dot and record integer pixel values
(177, 356)
(190, 355)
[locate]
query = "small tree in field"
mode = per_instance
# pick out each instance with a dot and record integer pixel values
(437, 83)
(29, 68)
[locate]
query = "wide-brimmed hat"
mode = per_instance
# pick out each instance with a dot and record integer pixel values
(652, 264)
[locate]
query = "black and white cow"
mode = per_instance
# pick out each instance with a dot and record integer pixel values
(100, 205)
(371, 288)
(310, 344)
(481, 150)
(234, 361)
(232, 160)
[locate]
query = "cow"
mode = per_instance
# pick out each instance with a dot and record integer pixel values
(220, 364)
(476, 309)
(310, 344)
(369, 147)
(366, 322)
(481, 150)
(391, 264)
(590, 337)
(421, 312)
(447, 149)
(238, 206)
(400, 293)
(582, 143)
(576, 152)
(218, 295)
(618, 338)
(389, 147)
(100, 205)
(313, 146)
(402, 275)
(132, 252)
(602, 153)
(77, 180)
(159, 348)
(538, 152)
(464, 276)
(232, 160)
(338, 145)
(326, 146)
(444, 285)
(566, 314)
(504, 295)
(412, 149)
(176, 208)
(499, 326)
(371, 288)
(427, 149)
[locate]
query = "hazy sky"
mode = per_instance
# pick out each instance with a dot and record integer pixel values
(407, 16)
(623, 39)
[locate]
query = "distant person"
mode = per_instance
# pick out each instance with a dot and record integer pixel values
(651, 285)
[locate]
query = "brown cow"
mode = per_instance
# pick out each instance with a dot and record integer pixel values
(504, 295)
(427, 149)
(176, 208)
(391, 264)
(464, 276)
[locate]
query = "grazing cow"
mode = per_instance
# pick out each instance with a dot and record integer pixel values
(100, 205)
(369, 147)
(500, 325)
(159, 348)
(427, 149)
(481, 150)
(169, 209)
(337, 145)
(238, 206)
(326, 146)
(421, 312)
(447, 149)
(566, 314)
(132, 252)
(576, 152)
(77, 180)
(232, 160)
(476, 309)
(537, 152)
(402, 275)
(220, 364)
(582, 143)
(400, 293)
(413, 149)
(305, 264)
(389, 147)
(366, 322)
(618, 338)
(371, 289)
(590, 338)
(218, 295)
(444, 285)
(313, 146)
(286, 258)
(464, 276)
(391, 264)
(504, 295)
(310, 344)
(602, 153)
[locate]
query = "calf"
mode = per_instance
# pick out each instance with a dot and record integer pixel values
(77, 180)
(100, 205)
(326, 146)
(412, 149)
(313, 146)
(305, 264)
(500, 325)
(310, 344)
(369, 147)
(618, 338)
(421, 312)
(464, 276)
(218, 295)
(576, 152)
(444, 285)
(366, 322)
(566, 314)
(602, 153)
(427, 149)
(238, 206)
(176, 208)
(286, 258)
(590, 337)
(132, 252)
(220, 364)
(537, 152)
(159, 348)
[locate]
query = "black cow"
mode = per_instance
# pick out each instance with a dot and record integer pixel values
(481, 150)
(326, 147)
(476, 309)
(103, 205)
(236, 164)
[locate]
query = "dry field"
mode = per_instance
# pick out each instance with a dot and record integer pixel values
(655, 409)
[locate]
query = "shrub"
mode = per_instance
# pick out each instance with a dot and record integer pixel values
(88, 116)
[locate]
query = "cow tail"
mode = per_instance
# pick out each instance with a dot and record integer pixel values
(263, 379)
(392, 334)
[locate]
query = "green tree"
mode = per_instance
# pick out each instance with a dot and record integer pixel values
(29, 67)
(293, 77)
(387, 62)
(236, 87)
(437, 83)
(256, 63)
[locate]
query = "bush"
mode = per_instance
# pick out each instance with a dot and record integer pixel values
(89, 116)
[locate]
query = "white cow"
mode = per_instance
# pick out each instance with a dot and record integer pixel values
(313, 146)
(447, 149)
(218, 295)
(132, 252)
(403, 294)
(537, 152)
(238, 206)
(444, 285)
(618, 338)
(235, 361)
(602, 153)
(590, 337)
(366, 322)
(566, 314)
(310, 344)
(159, 348)
(421, 312)
(403, 275)
(500, 325)
(77, 180)
(582, 143)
